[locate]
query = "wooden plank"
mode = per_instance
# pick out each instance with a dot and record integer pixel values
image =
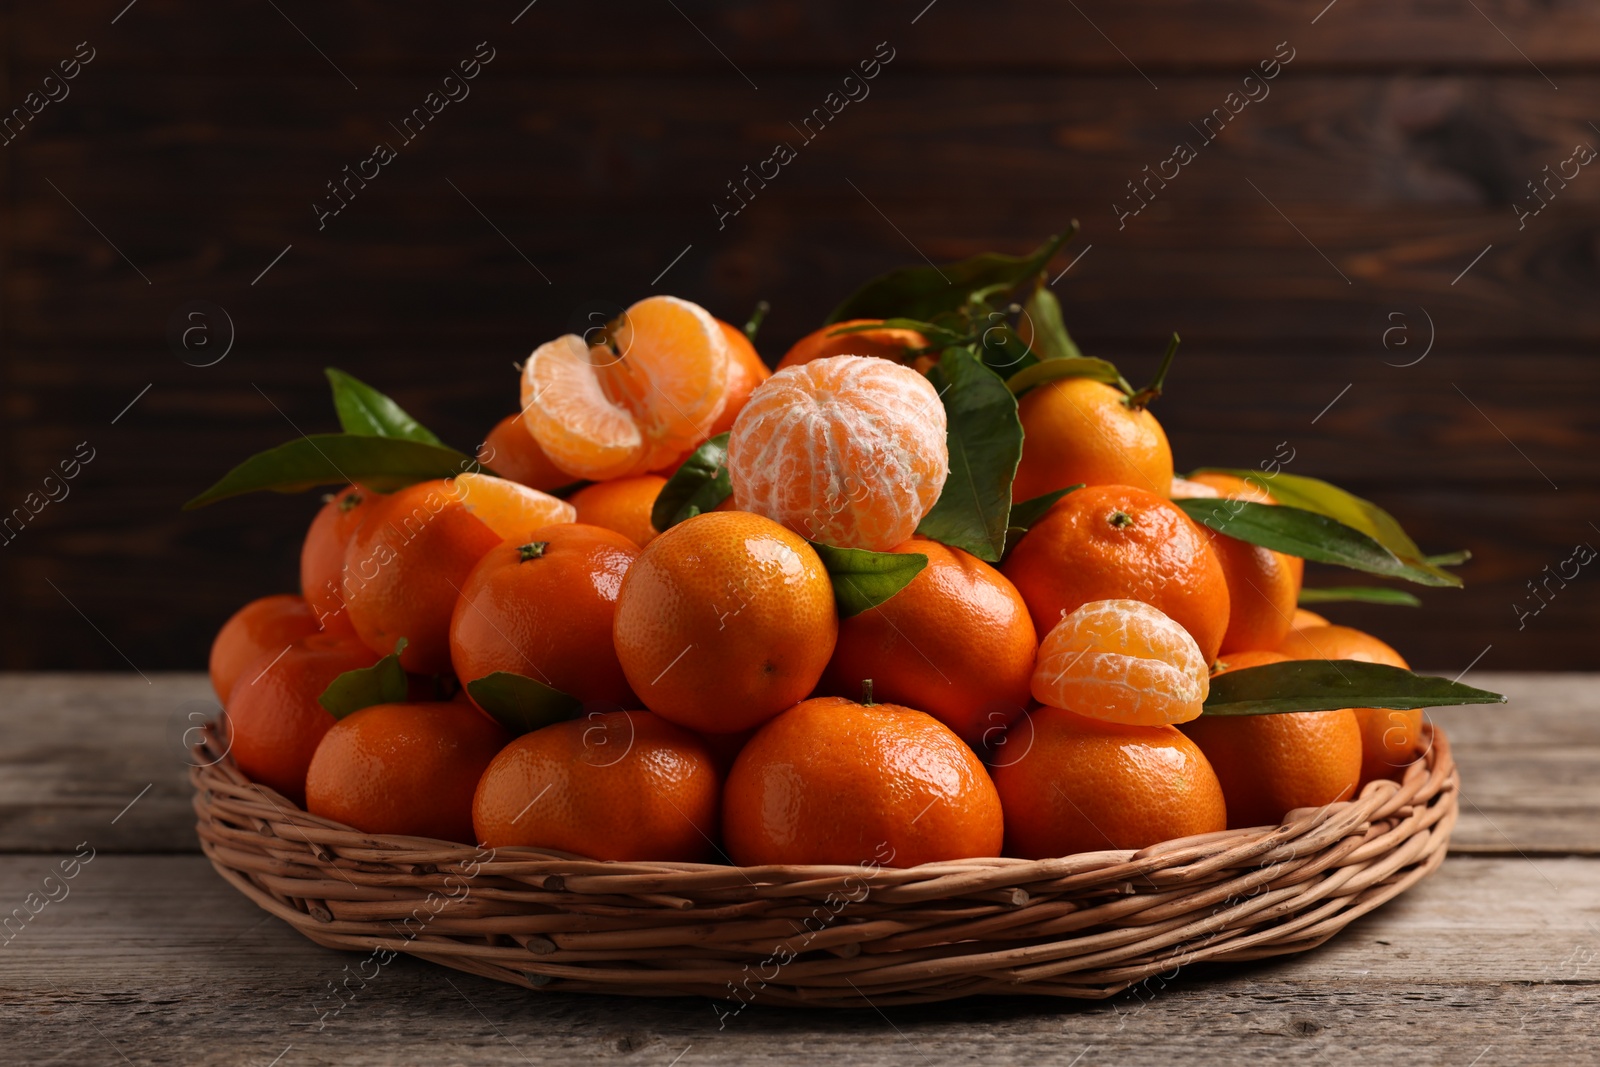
(362, 38)
(85, 746)
(158, 958)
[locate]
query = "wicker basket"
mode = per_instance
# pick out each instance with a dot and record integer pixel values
(1088, 925)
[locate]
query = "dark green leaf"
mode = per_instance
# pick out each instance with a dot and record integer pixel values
(1324, 498)
(863, 579)
(1364, 594)
(1448, 559)
(1050, 337)
(381, 463)
(364, 410)
(985, 438)
(1327, 685)
(382, 683)
(1028, 512)
(521, 704)
(1052, 370)
(924, 292)
(1308, 535)
(698, 485)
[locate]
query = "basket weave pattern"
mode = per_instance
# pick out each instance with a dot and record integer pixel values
(1088, 925)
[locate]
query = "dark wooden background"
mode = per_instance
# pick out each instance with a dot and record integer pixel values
(1386, 158)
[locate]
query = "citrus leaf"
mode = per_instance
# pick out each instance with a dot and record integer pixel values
(1327, 685)
(364, 410)
(985, 440)
(381, 463)
(1363, 594)
(924, 292)
(1314, 494)
(1448, 559)
(521, 704)
(1309, 535)
(699, 484)
(382, 683)
(1051, 370)
(1030, 511)
(863, 579)
(1050, 337)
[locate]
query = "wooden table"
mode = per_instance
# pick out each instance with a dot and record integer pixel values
(147, 956)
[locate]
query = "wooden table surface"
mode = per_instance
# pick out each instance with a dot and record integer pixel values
(146, 956)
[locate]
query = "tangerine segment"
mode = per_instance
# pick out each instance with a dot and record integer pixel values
(669, 367)
(1122, 661)
(574, 422)
(846, 450)
(509, 509)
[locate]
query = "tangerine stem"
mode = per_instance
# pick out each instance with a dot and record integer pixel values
(1150, 392)
(866, 692)
(757, 316)
(531, 550)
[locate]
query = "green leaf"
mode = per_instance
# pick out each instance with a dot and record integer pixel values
(1052, 370)
(364, 410)
(381, 463)
(1364, 594)
(863, 579)
(382, 683)
(1028, 512)
(1050, 337)
(1449, 559)
(985, 439)
(1308, 535)
(699, 484)
(521, 704)
(924, 292)
(1324, 498)
(1327, 685)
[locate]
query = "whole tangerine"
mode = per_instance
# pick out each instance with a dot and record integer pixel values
(882, 342)
(265, 626)
(1077, 430)
(322, 554)
(621, 504)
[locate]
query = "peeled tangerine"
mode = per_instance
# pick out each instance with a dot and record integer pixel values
(1122, 661)
(847, 450)
(651, 390)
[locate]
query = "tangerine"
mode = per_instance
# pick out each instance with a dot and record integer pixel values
(543, 609)
(511, 452)
(1118, 542)
(264, 626)
(622, 504)
(625, 785)
(836, 782)
(1122, 661)
(885, 342)
(746, 370)
(407, 769)
(1302, 619)
(846, 450)
(649, 390)
(322, 554)
(274, 720)
(1272, 764)
(1084, 785)
(1077, 430)
(957, 642)
(1263, 585)
(725, 620)
(1390, 738)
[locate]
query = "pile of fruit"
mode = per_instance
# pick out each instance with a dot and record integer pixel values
(928, 591)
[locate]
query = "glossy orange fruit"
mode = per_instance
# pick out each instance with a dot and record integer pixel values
(1079, 430)
(622, 504)
(1303, 619)
(262, 627)
(1084, 785)
(322, 554)
(1230, 486)
(407, 769)
(274, 720)
(406, 563)
(886, 342)
(957, 642)
(624, 785)
(725, 620)
(848, 450)
(511, 452)
(746, 370)
(1390, 739)
(1263, 585)
(543, 608)
(650, 391)
(836, 782)
(1271, 764)
(1118, 542)
(1122, 661)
